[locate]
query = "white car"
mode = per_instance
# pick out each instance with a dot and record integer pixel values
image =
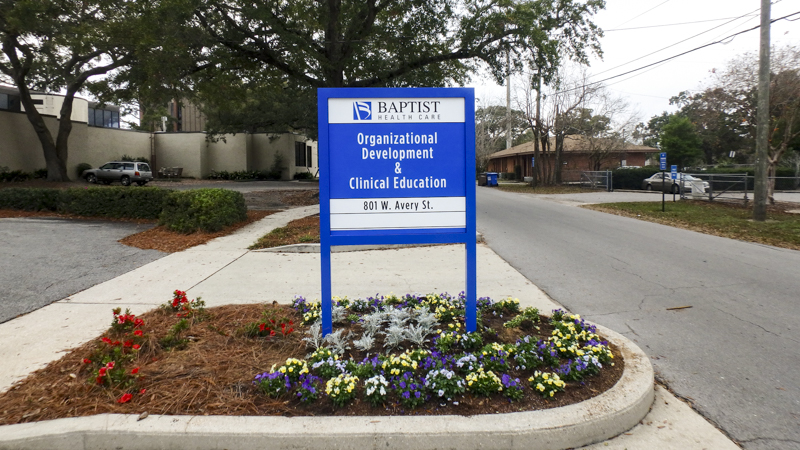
(684, 182)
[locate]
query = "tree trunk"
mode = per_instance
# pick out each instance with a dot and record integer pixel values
(55, 158)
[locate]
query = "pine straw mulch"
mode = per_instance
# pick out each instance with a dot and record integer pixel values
(156, 238)
(305, 230)
(213, 375)
(162, 239)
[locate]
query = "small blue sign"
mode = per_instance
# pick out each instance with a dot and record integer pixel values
(533, 161)
(663, 161)
(674, 172)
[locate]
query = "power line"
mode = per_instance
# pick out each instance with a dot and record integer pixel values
(676, 43)
(640, 15)
(675, 24)
(676, 56)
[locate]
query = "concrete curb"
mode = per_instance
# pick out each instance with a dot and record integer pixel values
(607, 415)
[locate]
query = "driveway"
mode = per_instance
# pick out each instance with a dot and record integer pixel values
(717, 316)
(46, 260)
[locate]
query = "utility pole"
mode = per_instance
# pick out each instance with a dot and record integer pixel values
(762, 118)
(509, 140)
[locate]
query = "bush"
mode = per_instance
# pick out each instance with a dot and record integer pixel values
(40, 173)
(29, 199)
(632, 178)
(202, 209)
(14, 175)
(117, 202)
(303, 176)
(81, 167)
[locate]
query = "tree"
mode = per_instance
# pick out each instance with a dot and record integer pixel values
(307, 44)
(680, 140)
(739, 80)
(60, 46)
(491, 126)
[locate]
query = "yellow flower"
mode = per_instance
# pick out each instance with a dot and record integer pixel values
(540, 387)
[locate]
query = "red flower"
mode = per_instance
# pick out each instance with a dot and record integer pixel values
(271, 332)
(262, 326)
(110, 365)
(116, 343)
(101, 372)
(107, 340)
(128, 344)
(99, 380)
(138, 322)
(134, 371)
(142, 391)
(87, 361)
(136, 346)
(138, 333)
(125, 398)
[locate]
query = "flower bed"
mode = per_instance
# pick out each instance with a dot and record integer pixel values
(393, 355)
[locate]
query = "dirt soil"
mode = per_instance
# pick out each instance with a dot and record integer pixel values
(212, 374)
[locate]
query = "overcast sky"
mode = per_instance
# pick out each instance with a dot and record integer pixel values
(649, 90)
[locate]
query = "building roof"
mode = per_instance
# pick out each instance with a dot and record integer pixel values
(572, 143)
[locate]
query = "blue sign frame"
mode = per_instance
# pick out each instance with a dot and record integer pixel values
(332, 176)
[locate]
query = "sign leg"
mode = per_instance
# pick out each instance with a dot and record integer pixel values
(471, 288)
(327, 323)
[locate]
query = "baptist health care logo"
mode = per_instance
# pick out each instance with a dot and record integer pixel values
(362, 110)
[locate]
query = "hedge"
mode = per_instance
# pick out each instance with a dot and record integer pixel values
(202, 209)
(29, 199)
(116, 202)
(186, 211)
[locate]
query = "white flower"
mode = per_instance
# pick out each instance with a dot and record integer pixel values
(441, 393)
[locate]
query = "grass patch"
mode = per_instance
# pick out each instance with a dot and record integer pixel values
(733, 221)
(300, 231)
(527, 189)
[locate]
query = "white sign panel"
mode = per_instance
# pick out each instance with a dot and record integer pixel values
(395, 110)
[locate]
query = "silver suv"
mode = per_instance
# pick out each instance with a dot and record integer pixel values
(126, 172)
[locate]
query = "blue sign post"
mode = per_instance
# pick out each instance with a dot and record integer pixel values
(673, 172)
(663, 161)
(397, 166)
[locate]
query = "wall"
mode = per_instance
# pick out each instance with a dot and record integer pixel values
(110, 144)
(229, 154)
(20, 148)
(187, 150)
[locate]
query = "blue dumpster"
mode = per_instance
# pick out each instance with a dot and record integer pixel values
(491, 178)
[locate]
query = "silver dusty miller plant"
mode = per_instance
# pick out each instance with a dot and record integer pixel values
(314, 332)
(372, 323)
(417, 334)
(338, 342)
(365, 343)
(395, 335)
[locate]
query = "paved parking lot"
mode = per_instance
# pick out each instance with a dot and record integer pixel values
(46, 260)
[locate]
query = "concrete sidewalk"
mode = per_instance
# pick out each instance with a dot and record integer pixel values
(223, 271)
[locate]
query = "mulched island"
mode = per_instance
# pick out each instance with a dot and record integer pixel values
(388, 356)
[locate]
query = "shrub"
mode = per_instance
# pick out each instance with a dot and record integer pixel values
(202, 209)
(29, 199)
(303, 176)
(117, 202)
(81, 167)
(632, 178)
(14, 175)
(40, 173)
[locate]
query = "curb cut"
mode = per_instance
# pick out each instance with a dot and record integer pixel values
(597, 419)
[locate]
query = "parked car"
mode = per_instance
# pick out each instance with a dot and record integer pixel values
(667, 184)
(126, 172)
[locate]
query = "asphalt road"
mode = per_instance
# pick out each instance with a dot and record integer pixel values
(734, 354)
(46, 260)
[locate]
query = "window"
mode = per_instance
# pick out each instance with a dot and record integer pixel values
(103, 118)
(127, 166)
(308, 156)
(9, 102)
(300, 154)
